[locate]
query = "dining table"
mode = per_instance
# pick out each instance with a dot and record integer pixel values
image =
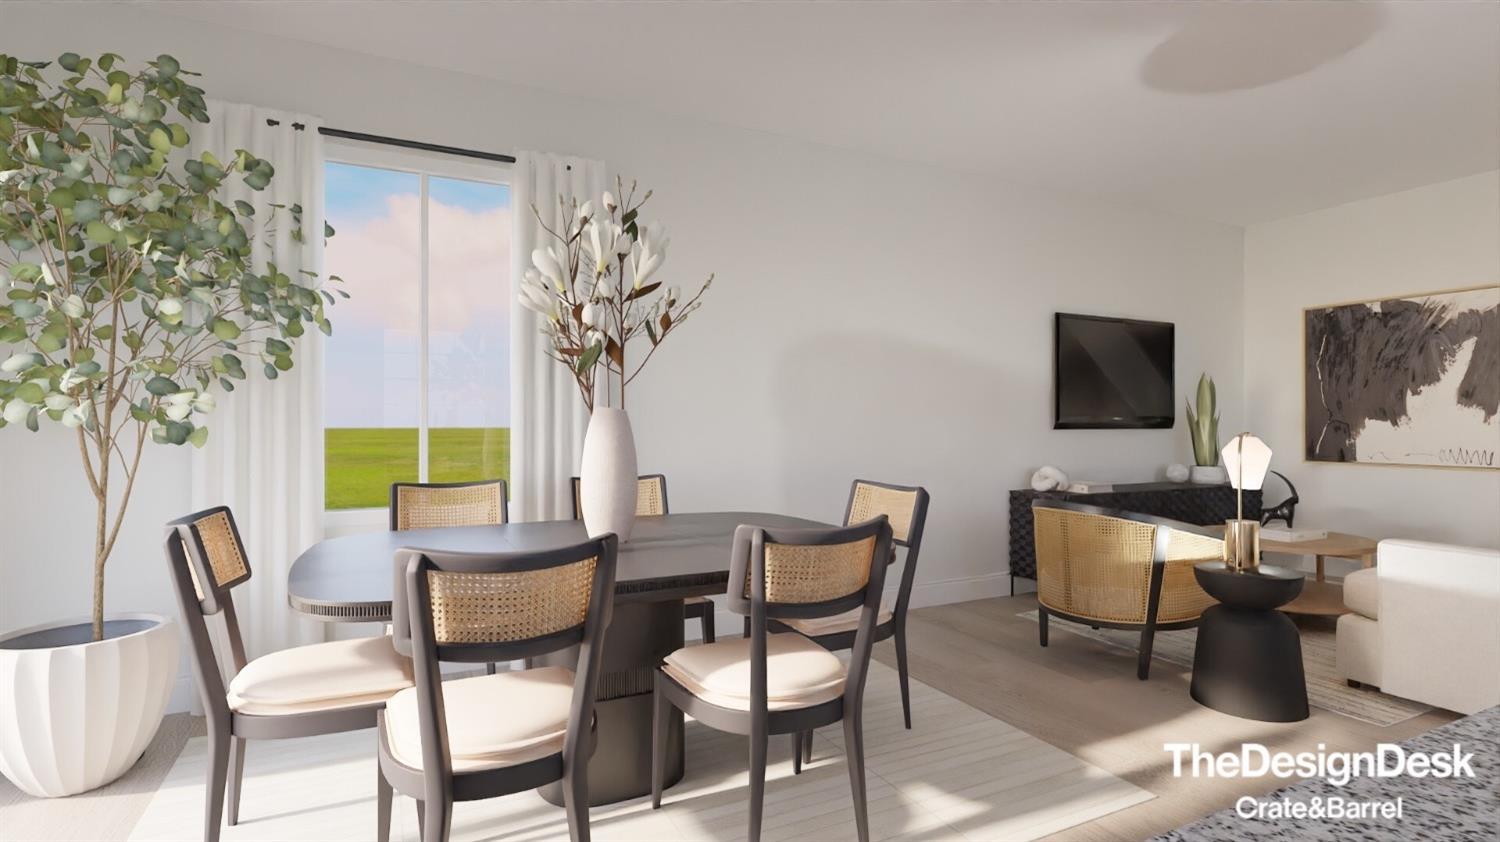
(668, 558)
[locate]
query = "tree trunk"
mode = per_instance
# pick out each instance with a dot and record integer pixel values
(99, 557)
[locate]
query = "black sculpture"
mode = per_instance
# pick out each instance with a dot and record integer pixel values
(1286, 510)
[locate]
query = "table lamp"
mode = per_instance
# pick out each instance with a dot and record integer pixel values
(1247, 460)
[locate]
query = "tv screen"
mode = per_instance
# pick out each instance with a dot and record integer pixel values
(1112, 373)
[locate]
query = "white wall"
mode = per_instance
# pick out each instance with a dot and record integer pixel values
(871, 318)
(1442, 236)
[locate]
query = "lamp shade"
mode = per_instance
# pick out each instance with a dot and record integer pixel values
(1247, 459)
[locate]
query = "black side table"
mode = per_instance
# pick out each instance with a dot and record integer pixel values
(1248, 661)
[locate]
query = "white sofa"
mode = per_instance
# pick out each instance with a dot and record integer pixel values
(1425, 625)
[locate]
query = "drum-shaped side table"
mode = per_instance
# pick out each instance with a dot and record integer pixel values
(1248, 661)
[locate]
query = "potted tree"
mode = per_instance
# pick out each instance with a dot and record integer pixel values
(129, 293)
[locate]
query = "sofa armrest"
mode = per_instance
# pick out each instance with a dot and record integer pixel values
(1440, 623)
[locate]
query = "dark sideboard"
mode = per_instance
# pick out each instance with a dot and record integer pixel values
(1184, 501)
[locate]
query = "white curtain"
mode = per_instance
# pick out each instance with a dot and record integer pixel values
(548, 418)
(264, 456)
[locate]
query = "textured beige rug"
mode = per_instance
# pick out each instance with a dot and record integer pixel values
(1325, 689)
(960, 774)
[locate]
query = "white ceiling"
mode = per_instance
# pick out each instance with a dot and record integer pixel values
(1239, 112)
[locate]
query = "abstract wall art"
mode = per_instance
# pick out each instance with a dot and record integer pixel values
(1409, 380)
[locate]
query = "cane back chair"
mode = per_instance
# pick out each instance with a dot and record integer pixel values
(906, 508)
(492, 735)
(322, 688)
(1120, 570)
(429, 505)
(651, 501)
(783, 683)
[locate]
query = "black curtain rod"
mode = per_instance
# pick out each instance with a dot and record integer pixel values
(406, 144)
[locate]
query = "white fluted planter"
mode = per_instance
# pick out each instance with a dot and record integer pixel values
(608, 477)
(75, 713)
(1209, 474)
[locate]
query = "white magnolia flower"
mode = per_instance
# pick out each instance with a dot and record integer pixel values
(586, 210)
(603, 239)
(547, 263)
(610, 206)
(591, 314)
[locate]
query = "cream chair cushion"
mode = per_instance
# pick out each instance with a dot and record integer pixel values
(322, 676)
(799, 673)
(493, 720)
(1362, 593)
(837, 623)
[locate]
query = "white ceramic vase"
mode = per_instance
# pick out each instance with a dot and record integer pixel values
(76, 713)
(608, 477)
(1209, 474)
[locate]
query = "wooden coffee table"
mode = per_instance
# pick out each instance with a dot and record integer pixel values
(1320, 596)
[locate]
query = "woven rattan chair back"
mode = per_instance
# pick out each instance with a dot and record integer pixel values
(806, 572)
(485, 607)
(212, 553)
(434, 505)
(650, 496)
(1099, 564)
(904, 505)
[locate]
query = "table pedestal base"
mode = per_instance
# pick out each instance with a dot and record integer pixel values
(641, 634)
(1248, 663)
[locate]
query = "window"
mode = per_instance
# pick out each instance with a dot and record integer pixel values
(417, 371)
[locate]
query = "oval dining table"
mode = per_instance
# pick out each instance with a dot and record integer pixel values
(668, 558)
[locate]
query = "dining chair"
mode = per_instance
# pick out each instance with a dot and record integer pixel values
(783, 683)
(650, 501)
(430, 505)
(491, 735)
(906, 507)
(322, 688)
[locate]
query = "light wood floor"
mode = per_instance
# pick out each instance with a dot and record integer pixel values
(1079, 695)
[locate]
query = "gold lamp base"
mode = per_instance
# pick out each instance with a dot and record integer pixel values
(1242, 545)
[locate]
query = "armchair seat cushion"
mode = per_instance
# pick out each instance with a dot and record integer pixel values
(799, 672)
(493, 720)
(837, 623)
(321, 676)
(1362, 592)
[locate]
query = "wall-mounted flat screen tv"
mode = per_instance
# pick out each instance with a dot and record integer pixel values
(1112, 373)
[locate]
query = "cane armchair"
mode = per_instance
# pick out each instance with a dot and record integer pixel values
(322, 688)
(486, 736)
(431, 505)
(1121, 570)
(782, 683)
(651, 501)
(906, 508)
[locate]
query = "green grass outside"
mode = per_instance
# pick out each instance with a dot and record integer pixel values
(361, 463)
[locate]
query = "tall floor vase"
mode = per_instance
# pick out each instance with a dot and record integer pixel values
(608, 477)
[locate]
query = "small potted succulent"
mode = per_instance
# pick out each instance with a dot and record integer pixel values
(129, 294)
(1203, 426)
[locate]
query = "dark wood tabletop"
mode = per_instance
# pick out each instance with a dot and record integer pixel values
(349, 579)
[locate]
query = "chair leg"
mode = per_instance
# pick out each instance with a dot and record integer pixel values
(437, 819)
(489, 669)
(575, 787)
(236, 776)
(747, 627)
(218, 769)
(807, 738)
(854, 749)
(421, 819)
(902, 674)
(708, 624)
(1041, 625)
(383, 796)
(662, 707)
(757, 781)
(1143, 661)
(796, 752)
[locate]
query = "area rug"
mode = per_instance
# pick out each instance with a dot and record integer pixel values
(960, 774)
(1325, 689)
